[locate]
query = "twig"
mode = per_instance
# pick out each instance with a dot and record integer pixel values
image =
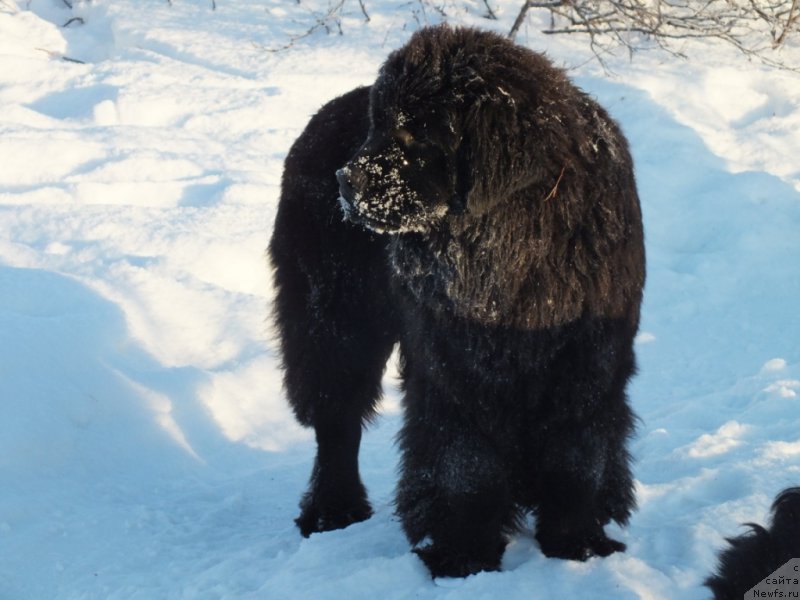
(791, 21)
(364, 10)
(554, 191)
(213, 4)
(490, 14)
(523, 11)
(78, 20)
(52, 54)
(327, 21)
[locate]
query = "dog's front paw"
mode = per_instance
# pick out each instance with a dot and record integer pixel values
(320, 514)
(445, 562)
(578, 546)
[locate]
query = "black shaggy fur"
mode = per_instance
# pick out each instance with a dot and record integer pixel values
(755, 555)
(492, 228)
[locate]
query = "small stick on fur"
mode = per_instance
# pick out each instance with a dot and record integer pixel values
(554, 191)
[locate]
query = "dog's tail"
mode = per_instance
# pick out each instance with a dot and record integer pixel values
(756, 554)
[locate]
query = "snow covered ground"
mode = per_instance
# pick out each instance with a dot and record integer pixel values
(145, 447)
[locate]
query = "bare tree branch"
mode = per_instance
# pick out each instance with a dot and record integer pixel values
(791, 23)
(523, 12)
(489, 11)
(756, 28)
(329, 21)
(753, 27)
(364, 10)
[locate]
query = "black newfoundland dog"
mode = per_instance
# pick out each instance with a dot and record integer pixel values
(479, 209)
(753, 556)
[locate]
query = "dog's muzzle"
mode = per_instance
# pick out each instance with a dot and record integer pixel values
(349, 182)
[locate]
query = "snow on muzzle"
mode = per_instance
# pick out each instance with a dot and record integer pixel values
(375, 193)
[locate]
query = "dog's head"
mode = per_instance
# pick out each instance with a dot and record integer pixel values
(439, 141)
(404, 177)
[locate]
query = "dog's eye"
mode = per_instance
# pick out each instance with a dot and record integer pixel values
(405, 137)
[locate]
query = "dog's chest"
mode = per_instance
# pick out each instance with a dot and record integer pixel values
(462, 277)
(423, 269)
(494, 276)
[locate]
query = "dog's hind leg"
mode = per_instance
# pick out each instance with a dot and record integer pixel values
(333, 312)
(336, 333)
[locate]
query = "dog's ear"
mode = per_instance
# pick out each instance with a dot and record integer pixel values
(477, 184)
(487, 168)
(470, 186)
(462, 178)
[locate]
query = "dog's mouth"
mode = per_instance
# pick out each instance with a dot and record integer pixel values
(352, 215)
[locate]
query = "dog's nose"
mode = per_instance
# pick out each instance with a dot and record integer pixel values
(347, 194)
(345, 187)
(351, 181)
